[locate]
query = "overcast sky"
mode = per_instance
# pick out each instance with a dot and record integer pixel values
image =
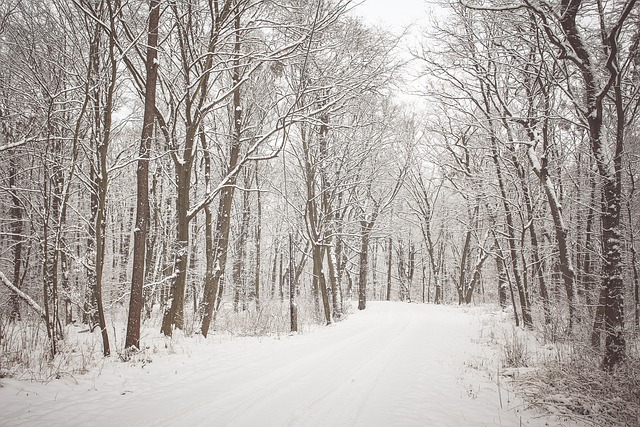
(397, 13)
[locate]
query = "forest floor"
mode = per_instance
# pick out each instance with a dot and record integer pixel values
(393, 364)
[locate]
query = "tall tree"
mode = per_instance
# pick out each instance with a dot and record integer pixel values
(142, 183)
(574, 51)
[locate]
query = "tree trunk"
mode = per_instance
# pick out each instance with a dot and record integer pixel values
(174, 312)
(142, 181)
(293, 308)
(220, 250)
(566, 266)
(502, 282)
(52, 228)
(613, 287)
(589, 282)
(102, 185)
(365, 232)
(475, 278)
(389, 260)
(281, 280)
(274, 270)
(336, 296)
(17, 236)
(258, 237)
(319, 282)
(237, 274)
(522, 293)
(463, 268)
(223, 220)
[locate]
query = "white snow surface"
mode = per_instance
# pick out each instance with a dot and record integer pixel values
(393, 364)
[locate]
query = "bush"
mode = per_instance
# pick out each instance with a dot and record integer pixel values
(579, 389)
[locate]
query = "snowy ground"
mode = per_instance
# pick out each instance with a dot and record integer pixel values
(393, 364)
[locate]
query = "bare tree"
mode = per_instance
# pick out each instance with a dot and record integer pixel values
(562, 30)
(142, 198)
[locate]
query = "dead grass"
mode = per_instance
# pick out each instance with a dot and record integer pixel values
(580, 390)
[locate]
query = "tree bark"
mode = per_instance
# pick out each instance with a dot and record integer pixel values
(365, 232)
(258, 237)
(612, 285)
(237, 274)
(522, 293)
(23, 296)
(389, 261)
(561, 229)
(142, 180)
(293, 308)
(17, 237)
(223, 220)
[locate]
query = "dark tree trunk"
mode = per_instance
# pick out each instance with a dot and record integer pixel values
(389, 261)
(281, 280)
(522, 292)
(101, 185)
(588, 277)
(142, 181)
(274, 270)
(612, 285)
(293, 308)
(213, 287)
(239, 281)
(365, 233)
(320, 284)
(462, 279)
(502, 282)
(174, 312)
(17, 237)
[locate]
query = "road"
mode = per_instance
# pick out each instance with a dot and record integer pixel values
(391, 365)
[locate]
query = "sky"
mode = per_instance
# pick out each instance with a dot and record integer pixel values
(396, 13)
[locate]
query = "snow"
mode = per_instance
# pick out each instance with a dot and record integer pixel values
(393, 364)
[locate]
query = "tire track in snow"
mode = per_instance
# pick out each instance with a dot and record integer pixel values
(372, 366)
(252, 389)
(394, 364)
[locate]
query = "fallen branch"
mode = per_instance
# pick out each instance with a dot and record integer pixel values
(26, 298)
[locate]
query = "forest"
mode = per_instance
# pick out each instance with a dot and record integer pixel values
(185, 163)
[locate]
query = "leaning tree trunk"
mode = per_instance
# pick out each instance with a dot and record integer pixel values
(561, 229)
(101, 185)
(511, 239)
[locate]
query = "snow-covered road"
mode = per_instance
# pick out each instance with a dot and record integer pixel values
(391, 365)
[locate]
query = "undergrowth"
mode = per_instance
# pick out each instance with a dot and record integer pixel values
(25, 351)
(515, 351)
(25, 347)
(580, 389)
(556, 371)
(565, 377)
